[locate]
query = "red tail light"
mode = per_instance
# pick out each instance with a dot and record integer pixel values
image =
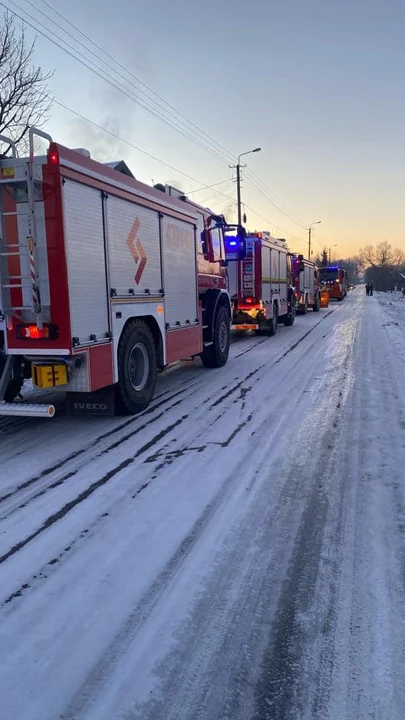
(53, 156)
(33, 332)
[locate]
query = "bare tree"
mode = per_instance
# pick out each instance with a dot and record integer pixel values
(368, 255)
(322, 259)
(382, 264)
(382, 256)
(24, 93)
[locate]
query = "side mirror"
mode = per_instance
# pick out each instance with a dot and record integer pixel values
(301, 267)
(206, 245)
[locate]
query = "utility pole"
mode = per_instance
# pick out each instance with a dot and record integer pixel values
(318, 222)
(330, 253)
(238, 190)
(238, 198)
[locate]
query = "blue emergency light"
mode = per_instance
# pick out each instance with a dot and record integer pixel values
(234, 242)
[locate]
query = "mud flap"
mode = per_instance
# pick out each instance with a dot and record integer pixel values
(100, 402)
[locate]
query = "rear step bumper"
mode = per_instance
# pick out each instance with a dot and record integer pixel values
(26, 410)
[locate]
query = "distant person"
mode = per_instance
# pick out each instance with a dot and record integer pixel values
(367, 289)
(371, 288)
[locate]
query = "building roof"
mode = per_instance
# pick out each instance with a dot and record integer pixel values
(121, 166)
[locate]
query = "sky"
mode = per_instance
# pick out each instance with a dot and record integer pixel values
(317, 84)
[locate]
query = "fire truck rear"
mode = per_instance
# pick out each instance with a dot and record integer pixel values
(306, 284)
(260, 286)
(104, 282)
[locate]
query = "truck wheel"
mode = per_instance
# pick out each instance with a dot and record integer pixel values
(216, 355)
(273, 323)
(136, 369)
(317, 304)
(292, 311)
(305, 306)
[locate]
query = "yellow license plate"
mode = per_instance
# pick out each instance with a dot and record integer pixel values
(7, 172)
(47, 376)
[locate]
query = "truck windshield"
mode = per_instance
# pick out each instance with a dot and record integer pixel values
(326, 274)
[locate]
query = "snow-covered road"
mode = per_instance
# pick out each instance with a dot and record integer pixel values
(236, 552)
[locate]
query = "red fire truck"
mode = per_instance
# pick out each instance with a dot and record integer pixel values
(306, 284)
(104, 281)
(334, 278)
(260, 286)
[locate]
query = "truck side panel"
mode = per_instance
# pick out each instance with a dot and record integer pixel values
(86, 261)
(179, 272)
(283, 275)
(134, 248)
(266, 263)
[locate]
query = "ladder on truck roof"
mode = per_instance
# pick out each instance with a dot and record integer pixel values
(8, 282)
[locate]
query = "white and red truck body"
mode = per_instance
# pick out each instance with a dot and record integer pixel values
(306, 283)
(260, 285)
(86, 250)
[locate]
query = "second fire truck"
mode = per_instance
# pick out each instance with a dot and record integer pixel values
(260, 286)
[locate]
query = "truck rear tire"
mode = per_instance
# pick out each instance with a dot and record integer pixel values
(137, 369)
(216, 355)
(305, 307)
(273, 323)
(317, 304)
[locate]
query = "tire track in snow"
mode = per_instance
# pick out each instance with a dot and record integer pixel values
(89, 452)
(12, 425)
(148, 602)
(52, 519)
(98, 677)
(223, 660)
(83, 495)
(86, 454)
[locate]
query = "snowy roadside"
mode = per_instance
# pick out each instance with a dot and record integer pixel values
(393, 305)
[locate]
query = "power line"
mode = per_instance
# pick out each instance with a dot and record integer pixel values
(217, 151)
(272, 199)
(184, 130)
(172, 167)
(207, 187)
(136, 78)
(127, 142)
(83, 60)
